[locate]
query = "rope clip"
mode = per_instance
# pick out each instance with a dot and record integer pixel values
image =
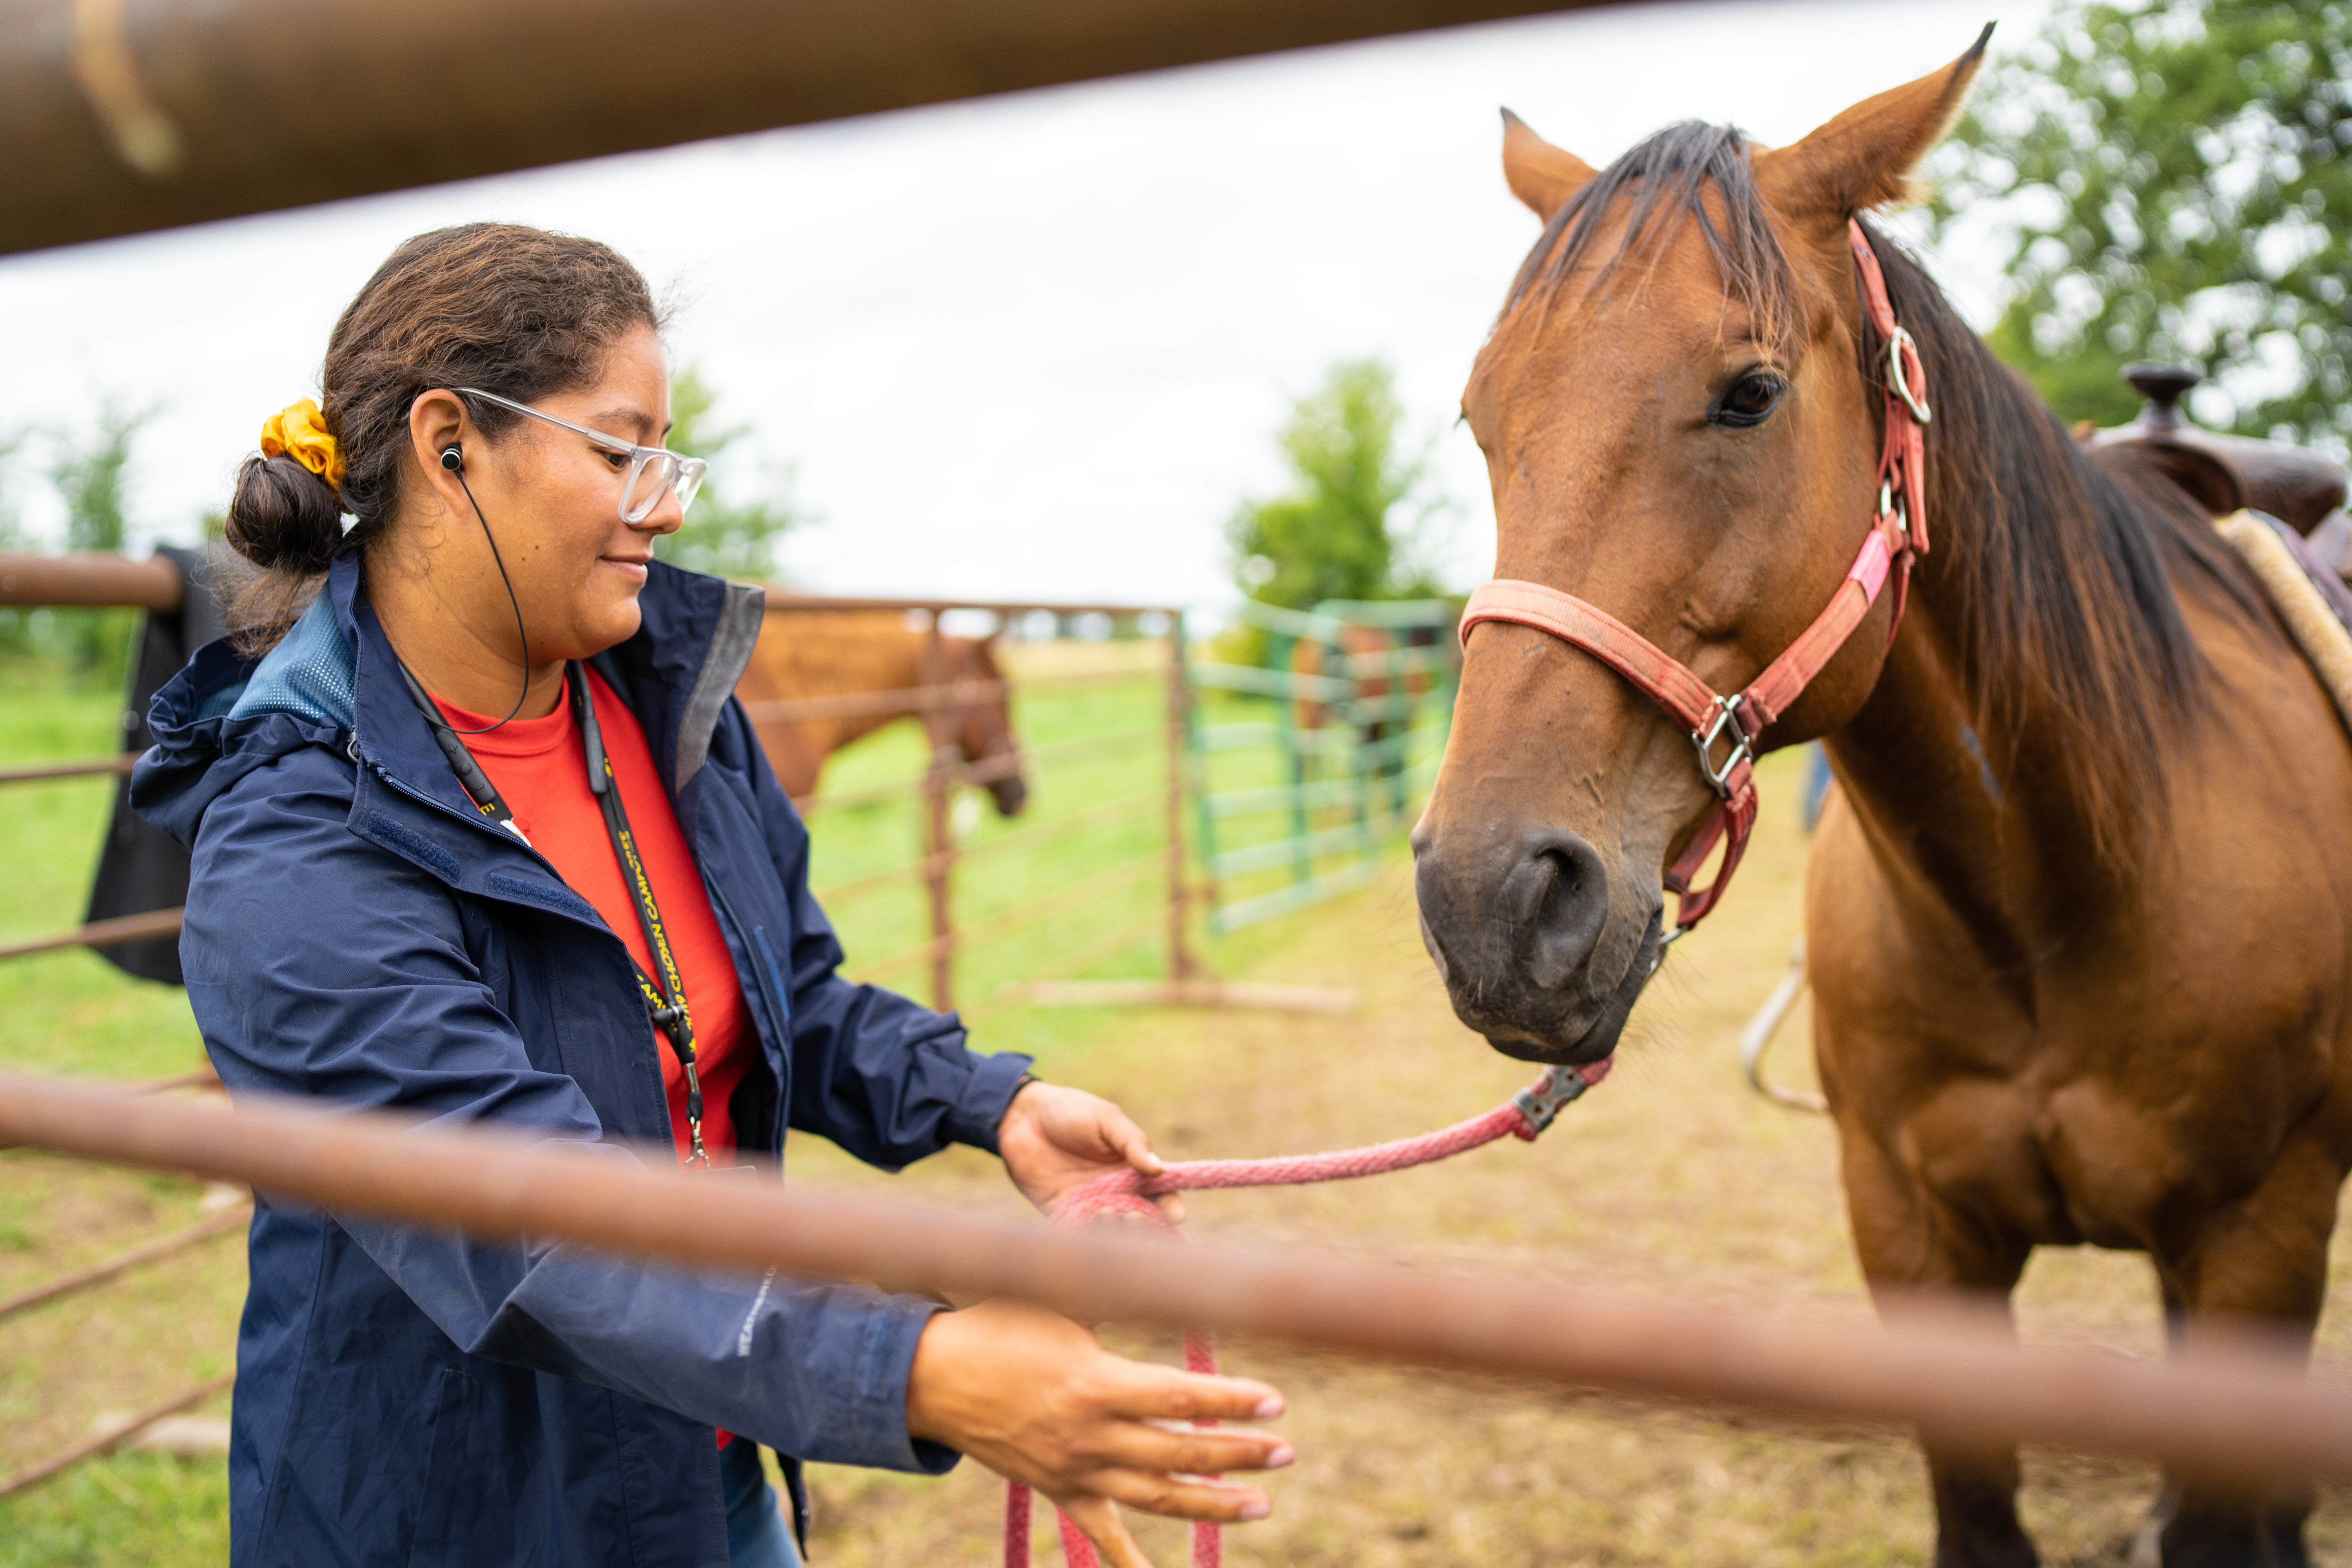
(1541, 1103)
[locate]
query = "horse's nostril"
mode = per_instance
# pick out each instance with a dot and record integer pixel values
(1558, 896)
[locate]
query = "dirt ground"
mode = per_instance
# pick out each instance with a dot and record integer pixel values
(1673, 1178)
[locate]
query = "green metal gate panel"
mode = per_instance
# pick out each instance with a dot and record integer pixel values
(1295, 806)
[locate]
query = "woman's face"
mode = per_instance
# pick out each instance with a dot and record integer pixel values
(551, 500)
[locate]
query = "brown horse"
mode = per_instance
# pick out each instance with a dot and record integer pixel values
(2081, 924)
(844, 653)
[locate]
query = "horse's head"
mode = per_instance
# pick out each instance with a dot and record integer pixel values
(1678, 431)
(982, 727)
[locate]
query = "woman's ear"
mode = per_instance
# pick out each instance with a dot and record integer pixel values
(1540, 174)
(437, 422)
(1864, 158)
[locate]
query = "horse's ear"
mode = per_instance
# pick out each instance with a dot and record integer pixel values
(1540, 174)
(1864, 157)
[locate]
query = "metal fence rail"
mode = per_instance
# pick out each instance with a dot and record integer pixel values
(2237, 1413)
(121, 118)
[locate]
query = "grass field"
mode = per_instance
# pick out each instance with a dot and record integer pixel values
(1674, 1179)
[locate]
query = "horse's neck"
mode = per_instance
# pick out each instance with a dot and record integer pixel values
(853, 656)
(1986, 825)
(892, 663)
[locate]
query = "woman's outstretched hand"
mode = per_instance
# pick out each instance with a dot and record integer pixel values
(1035, 1398)
(1053, 1139)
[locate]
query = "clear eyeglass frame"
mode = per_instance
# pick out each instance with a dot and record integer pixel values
(654, 471)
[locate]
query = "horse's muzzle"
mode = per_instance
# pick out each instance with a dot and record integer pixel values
(1523, 936)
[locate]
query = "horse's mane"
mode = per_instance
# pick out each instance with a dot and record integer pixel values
(2062, 562)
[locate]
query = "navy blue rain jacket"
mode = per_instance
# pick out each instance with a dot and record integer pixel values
(357, 932)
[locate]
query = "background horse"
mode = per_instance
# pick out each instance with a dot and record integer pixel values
(2081, 914)
(841, 653)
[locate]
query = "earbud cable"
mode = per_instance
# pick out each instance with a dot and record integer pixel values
(519, 632)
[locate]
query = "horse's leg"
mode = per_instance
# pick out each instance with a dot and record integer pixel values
(1914, 1248)
(2259, 1264)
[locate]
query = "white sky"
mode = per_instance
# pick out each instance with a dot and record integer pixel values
(1028, 346)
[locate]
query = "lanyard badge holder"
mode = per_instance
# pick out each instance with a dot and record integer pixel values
(665, 998)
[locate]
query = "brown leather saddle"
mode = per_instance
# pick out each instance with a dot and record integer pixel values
(2224, 473)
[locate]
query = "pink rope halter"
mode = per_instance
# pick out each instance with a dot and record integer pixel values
(1130, 1191)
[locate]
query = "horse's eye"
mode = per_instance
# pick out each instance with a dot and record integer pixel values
(1749, 400)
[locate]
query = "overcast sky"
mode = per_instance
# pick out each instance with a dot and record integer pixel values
(1033, 345)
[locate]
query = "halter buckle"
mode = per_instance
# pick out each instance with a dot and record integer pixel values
(1541, 1101)
(1726, 717)
(1899, 380)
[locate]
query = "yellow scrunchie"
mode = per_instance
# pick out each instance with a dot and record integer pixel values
(299, 431)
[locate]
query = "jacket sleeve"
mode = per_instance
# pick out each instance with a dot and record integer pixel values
(321, 965)
(886, 1077)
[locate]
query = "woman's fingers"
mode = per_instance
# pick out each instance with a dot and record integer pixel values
(1155, 1491)
(1195, 1451)
(1167, 1394)
(1127, 1140)
(1098, 1517)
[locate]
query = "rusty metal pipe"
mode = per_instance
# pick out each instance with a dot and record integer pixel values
(45, 771)
(117, 117)
(121, 1432)
(101, 934)
(98, 1273)
(2235, 1414)
(84, 579)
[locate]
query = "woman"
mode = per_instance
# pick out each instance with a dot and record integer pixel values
(590, 918)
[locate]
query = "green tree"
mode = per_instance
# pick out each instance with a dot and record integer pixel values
(1355, 523)
(722, 537)
(88, 472)
(2176, 179)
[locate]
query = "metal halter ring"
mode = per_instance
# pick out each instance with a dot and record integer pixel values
(1899, 379)
(1726, 710)
(1891, 505)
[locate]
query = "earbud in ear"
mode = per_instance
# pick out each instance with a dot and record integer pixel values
(452, 457)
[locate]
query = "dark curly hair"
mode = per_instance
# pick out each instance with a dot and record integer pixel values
(518, 311)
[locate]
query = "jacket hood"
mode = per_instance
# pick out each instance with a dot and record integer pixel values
(333, 682)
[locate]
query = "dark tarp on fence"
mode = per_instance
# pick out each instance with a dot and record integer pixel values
(141, 869)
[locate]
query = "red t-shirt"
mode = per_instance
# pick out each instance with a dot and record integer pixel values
(540, 766)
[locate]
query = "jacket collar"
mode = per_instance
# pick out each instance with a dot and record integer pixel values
(335, 676)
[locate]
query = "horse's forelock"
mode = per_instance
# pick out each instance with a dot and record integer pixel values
(1668, 181)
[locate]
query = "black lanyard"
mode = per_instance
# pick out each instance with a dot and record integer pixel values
(665, 999)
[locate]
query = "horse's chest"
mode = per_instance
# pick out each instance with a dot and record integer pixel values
(2114, 1158)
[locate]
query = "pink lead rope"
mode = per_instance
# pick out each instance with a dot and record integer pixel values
(1128, 1192)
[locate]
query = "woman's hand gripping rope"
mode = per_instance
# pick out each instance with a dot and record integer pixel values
(1128, 1187)
(1036, 1398)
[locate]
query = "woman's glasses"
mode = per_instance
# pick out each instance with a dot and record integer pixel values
(654, 471)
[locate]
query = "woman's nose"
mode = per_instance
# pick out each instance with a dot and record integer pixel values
(667, 516)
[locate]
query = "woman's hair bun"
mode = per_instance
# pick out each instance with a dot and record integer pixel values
(284, 518)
